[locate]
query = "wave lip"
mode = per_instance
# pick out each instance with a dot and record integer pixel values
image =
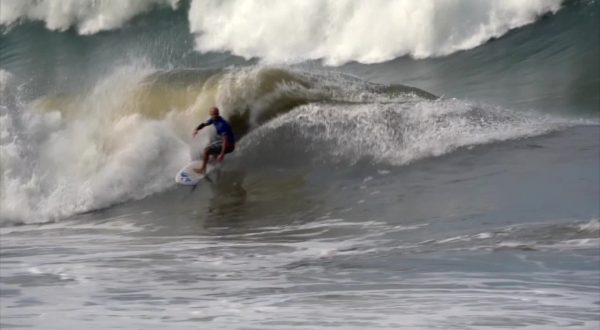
(400, 132)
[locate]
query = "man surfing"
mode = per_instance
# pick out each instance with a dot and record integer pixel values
(224, 145)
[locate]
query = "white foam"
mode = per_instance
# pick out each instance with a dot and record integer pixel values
(5, 77)
(593, 226)
(55, 165)
(368, 32)
(581, 243)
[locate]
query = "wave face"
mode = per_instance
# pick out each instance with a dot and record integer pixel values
(294, 31)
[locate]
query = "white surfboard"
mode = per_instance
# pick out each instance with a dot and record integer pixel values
(188, 177)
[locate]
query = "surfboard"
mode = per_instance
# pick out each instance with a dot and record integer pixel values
(188, 177)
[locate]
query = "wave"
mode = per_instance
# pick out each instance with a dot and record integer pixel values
(296, 31)
(69, 153)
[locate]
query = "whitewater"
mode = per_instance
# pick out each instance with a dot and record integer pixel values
(336, 32)
(399, 164)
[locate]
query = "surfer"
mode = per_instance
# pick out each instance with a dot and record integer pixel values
(224, 145)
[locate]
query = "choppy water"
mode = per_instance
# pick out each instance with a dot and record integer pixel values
(458, 190)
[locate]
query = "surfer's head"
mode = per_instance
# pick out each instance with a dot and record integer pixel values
(214, 112)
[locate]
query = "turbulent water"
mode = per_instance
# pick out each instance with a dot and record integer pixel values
(401, 164)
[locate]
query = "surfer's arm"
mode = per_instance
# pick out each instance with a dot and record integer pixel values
(201, 126)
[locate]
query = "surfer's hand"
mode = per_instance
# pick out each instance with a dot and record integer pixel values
(221, 157)
(195, 132)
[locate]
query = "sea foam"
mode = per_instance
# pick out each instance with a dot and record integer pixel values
(55, 164)
(343, 31)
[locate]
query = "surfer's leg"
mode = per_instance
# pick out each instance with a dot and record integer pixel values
(212, 149)
(204, 161)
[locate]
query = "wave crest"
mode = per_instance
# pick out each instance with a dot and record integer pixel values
(367, 32)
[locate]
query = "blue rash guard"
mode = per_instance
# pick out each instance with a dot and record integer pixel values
(223, 128)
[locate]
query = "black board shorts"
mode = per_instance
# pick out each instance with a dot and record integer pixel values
(216, 147)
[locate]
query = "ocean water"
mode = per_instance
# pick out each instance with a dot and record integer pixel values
(400, 165)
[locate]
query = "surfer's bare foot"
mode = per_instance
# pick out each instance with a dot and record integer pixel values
(200, 170)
